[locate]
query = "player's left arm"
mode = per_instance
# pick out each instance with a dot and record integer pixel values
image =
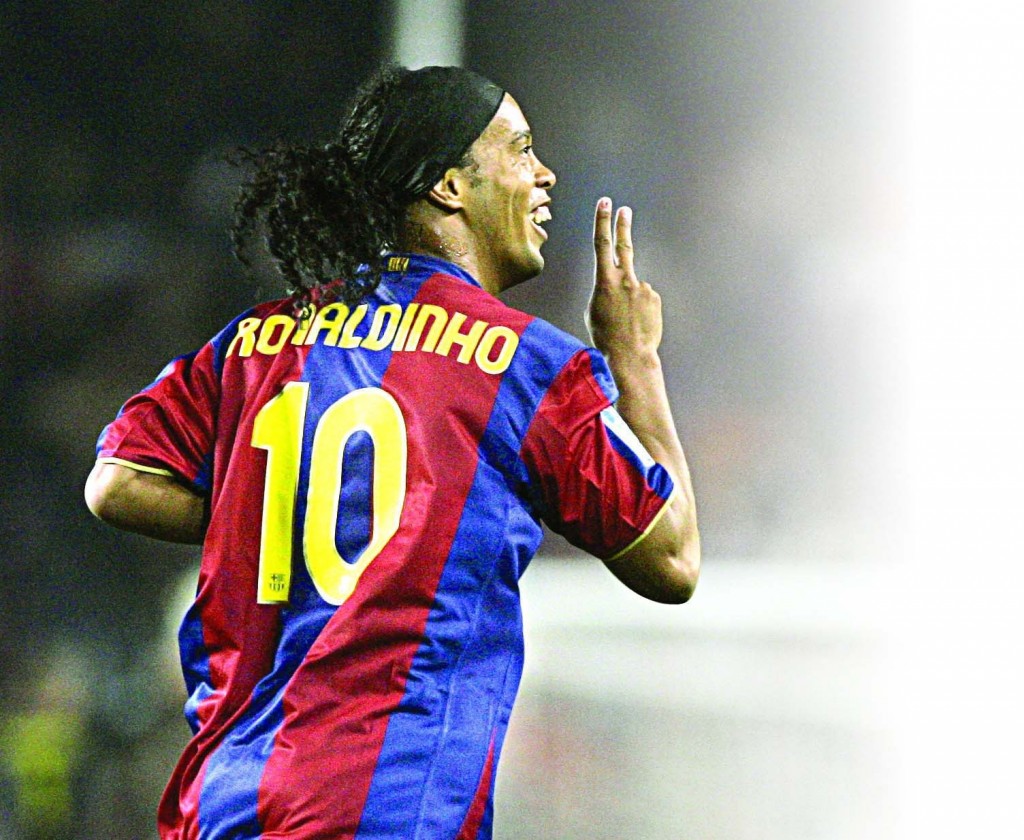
(149, 503)
(625, 322)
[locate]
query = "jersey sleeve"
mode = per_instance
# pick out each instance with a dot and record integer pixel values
(594, 482)
(168, 427)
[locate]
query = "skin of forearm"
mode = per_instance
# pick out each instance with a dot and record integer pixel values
(155, 506)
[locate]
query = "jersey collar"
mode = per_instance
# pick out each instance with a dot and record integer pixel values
(424, 263)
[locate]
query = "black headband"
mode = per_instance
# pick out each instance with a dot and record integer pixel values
(428, 123)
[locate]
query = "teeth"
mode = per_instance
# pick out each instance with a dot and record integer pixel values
(540, 215)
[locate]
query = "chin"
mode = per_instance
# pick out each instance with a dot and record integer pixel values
(520, 270)
(526, 275)
(533, 266)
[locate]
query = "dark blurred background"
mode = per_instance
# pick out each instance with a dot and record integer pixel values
(754, 141)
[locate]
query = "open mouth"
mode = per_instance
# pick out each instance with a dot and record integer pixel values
(540, 216)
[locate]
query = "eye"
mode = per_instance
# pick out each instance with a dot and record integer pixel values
(528, 149)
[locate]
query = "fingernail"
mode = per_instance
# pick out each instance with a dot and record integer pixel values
(604, 203)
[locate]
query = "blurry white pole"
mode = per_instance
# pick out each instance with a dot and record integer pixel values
(427, 32)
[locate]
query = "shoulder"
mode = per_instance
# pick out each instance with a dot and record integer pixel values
(550, 362)
(456, 294)
(271, 321)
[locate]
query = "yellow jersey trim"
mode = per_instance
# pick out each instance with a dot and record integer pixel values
(136, 467)
(647, 530)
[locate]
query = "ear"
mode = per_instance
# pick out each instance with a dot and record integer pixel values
(448, 193)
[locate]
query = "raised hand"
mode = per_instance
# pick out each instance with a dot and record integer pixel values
(624, 315)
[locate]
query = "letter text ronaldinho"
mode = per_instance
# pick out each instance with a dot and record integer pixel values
(418, 327)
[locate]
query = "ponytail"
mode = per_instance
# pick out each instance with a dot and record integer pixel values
(327, 229)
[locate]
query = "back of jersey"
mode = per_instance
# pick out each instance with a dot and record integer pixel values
(376, 476)
(357, 617)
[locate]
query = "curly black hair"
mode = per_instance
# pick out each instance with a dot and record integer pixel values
(321, 221)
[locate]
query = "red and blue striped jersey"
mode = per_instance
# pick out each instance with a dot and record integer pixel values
(376, 476)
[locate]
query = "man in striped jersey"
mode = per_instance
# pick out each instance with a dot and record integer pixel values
(367, 462)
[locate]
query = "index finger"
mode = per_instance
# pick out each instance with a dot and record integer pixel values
(603, 244)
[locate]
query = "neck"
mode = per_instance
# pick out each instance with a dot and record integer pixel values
(442, 238)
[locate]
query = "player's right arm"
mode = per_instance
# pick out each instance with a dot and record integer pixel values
(625, 322)
(145, 502)
(153, 462)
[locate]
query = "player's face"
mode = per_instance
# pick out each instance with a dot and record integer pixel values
(507, 201)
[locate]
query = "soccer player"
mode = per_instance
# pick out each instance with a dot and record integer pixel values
(367, 462)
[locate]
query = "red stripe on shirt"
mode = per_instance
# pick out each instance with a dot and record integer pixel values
(475, 817)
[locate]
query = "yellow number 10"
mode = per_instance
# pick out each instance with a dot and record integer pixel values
(278, 428)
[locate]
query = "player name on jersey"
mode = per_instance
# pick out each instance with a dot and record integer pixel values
(417, 327)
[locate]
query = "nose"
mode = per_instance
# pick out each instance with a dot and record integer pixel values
(544, 177)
